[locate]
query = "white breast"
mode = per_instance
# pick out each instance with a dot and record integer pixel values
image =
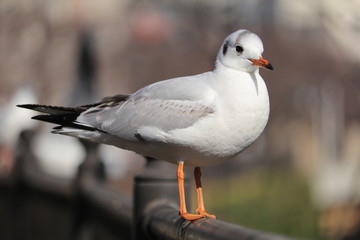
(242, 111)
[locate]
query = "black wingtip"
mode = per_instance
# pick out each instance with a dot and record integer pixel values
(64, 116)
(27, 106)
(47, 118)
(53, 110)
(64, 121)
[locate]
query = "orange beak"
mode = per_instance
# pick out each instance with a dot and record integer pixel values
(262, 62)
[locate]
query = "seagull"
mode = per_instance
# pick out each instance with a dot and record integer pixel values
(197, 120)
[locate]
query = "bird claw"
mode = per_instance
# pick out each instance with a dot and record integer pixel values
(193, 217)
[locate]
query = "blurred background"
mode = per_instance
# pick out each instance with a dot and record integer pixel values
(301, 178)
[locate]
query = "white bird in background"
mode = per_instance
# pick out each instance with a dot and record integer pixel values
(58, 157)
(195, 120)
(13, 122)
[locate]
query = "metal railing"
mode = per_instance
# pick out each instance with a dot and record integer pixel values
(34, 205)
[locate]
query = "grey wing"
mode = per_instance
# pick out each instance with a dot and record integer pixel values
(126, 119)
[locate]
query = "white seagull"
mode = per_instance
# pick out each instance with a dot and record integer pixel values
(196, 120)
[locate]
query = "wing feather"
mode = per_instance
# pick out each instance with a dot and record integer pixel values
(126, 119)
(158, 106)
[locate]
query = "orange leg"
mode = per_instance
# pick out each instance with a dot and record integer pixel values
(201, 209)
(200, 200)
(180, 177)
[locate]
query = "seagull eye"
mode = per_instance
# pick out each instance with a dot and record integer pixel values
(239, 49)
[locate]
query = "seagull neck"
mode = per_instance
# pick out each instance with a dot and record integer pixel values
(220, 68)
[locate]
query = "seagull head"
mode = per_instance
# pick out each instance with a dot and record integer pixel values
(242, 50)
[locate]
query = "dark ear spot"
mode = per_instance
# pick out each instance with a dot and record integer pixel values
(225, 47)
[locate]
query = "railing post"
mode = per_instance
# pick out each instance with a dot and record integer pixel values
(156, 185)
